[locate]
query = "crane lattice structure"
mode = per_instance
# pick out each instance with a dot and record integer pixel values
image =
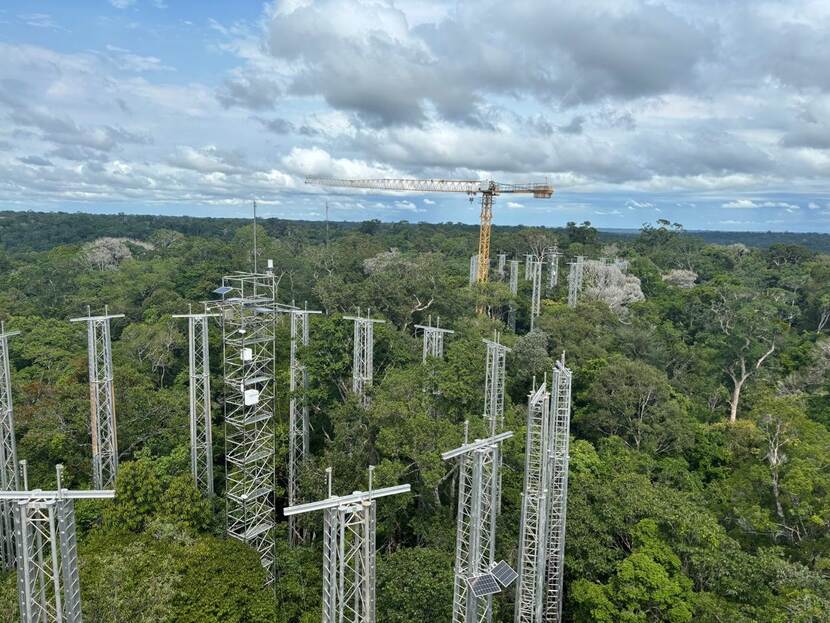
(501, 261)
(536, 296)
(560, 411)
(533, 536)
(48, 583)
(575, 280)
(477, 575)
(298, 423)
(363, 355)
(9, 475)
(249, 310)
(553, 275)
(201, 422)
(349, 533)
(433, 339)
(102, 398)
(494, 382)
(487, 189)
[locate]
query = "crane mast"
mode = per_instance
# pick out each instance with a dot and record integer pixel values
(487, 189)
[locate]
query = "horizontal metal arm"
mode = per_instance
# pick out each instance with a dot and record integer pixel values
(476, 445)
(470, 187)
(334, 502)
(39, 494)
(89, 318)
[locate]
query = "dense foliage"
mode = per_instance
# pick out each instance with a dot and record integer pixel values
(700, 482)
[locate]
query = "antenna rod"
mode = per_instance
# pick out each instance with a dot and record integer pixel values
(254, 235)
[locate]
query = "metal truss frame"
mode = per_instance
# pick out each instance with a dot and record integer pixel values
(575, 280)
(514, 277)
(9, 475)
(363, 355)
(102, 398)
(473, 270)
(495, 361)
(536, 296)
(553, 272)
(501, 260)
(433, 339)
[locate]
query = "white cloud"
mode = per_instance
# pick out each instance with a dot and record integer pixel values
(514, 205)
(122, 4)
(429, 202)
(743, 204)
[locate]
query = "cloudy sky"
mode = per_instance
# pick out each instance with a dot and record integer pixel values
(712, 114)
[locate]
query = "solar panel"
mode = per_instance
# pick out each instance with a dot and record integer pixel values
(223, 290)
(483, 585)
(504, 574)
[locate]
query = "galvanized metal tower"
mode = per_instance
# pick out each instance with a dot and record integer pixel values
(560, 411)
(201, 424)
(536, 296)
(102, 398)
(249, 309)
(9, 479)
(298, 424)
(514, 277)
(494, 382)
(474, 268)
(502, 260)
(363, 356)
(575, 280)
(528, 265)
(348, 551)
(533, 535)
(477, 575)
(48, 584)
(433, 339)
(553, 274)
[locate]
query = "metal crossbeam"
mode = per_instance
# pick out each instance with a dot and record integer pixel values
(102, 398)
(249, 311)
(201, 422)
(363, 355)
(575, 280)
(298, 423)
(533, 542)
(560, 410)
(349, 530)
(476, 524)
(9, 479)
(433, 339)
(46, 546)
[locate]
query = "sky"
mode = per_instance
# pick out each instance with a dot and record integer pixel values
(715, 115)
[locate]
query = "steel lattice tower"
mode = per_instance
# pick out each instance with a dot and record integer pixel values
(575, 280)
(433, 339)
(363, 356)
(476, 576)
(494, 382)
(201, 423)
(9, 479)
(249, 311)
(298, 424)
(102, 398)
(536, 296)
(474, 268)
(558, 489)
(502, 261)
(348, 551)
(514, 277)
(533, 537)
(48, 584)
(553, 274)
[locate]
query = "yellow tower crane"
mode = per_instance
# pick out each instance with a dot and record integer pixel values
(488, 190)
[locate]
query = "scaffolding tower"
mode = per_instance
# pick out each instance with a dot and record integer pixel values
(473, 269)
(560, 411)
(9, 479)
(48, 583)
(477, 576)
(363, 355)
(553, 272)
(502, 260)
(348, 551)
(514, 277)
(102, 398)
(528, 264)
(201, 424)
(536, 296)
(533, 535)
(433, 339)
(298, 423)
(249, 310)
(494, 382)
(575, 280)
